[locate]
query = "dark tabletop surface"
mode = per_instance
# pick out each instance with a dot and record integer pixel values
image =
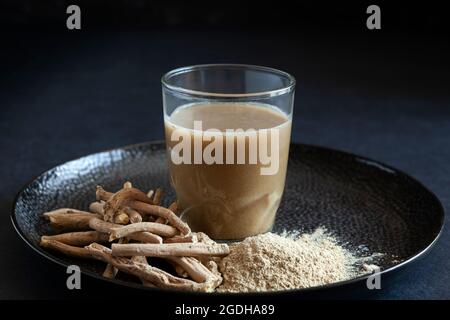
(66, 95)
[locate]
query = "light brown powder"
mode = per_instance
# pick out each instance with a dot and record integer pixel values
(270, 262)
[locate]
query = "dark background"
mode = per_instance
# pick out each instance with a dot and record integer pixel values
(382, 93)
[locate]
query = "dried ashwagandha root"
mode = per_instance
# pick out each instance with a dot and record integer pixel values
(173, 207)
(124, 216)
(97, 207)
(79, 239)
(108, 227)
(65, 249)
(170, 249)
(157, 197)
(155, 228)
(111, 271)
(142, 259)
(146, 237)
(139, 201)
(161, 212)
(180, 239)
(102, 195)
(70, 220)
(194, 268)
(203, 238)
(151, 274)
(121, 218)
(127, 185)
(135, 217)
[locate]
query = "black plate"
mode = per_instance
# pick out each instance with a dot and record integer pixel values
(363, 202)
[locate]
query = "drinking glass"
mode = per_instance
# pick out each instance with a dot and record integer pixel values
(230, 191)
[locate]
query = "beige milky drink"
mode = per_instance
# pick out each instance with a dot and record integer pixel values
(229, 199)
(227, 132)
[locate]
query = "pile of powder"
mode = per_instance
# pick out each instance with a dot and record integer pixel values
(272, 262)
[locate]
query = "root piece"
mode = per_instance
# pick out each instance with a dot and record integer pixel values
(125, 196)
(192, 238)
(110, 271)
(97, 207)
(140, 259)
(71, 222)
(143, 260)
(139, 201)
(65, 249)
(161, 220)
(173, 207)
(127, 185)
(146, 237)
(203, 238)
(156, 228)
(209, 262)
(101, 194)
(178, 269)
(107, 227)
(157, 197)
(122, 218)
(122, 198)
(79, 239)
(194, 268)
(147, 273)
(134, 216)
(102, 226)
(162, 212)
(170, 250)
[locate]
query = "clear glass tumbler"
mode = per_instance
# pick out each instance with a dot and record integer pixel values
(227, 129)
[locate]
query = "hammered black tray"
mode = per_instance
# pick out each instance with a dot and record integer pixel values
(361, 201)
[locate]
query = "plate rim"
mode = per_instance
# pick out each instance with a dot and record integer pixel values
(54, 258)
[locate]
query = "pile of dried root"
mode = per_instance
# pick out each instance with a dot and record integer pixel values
(137, 227)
